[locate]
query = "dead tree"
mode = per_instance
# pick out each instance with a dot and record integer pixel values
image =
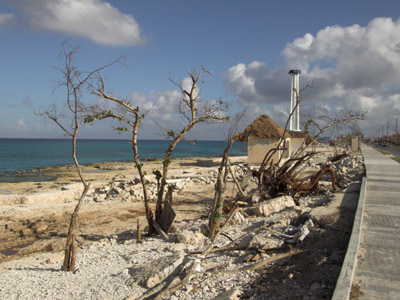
(191, 109)
(281, 179)
(129, 115)
(75, 82)
(277, 179)
(220, 185)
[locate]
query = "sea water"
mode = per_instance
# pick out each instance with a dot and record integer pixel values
(27, 154)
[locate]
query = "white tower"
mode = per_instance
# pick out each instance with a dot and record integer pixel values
(294, 123)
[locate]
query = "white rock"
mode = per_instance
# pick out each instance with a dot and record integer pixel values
(191, 238)
(238, 218)
(272, 206)
(100, 197)
(179, 185)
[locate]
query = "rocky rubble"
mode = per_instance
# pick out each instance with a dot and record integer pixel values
(121, 188)
(124, 269)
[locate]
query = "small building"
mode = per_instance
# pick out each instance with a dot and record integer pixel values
(264, 134)
(355, 144)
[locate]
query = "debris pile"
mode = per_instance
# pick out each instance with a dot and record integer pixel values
(260, 234)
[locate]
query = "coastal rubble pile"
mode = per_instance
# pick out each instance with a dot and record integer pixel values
(121, 188)
(263, 230)
(349, 168)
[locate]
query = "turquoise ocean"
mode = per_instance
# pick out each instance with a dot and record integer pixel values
(27, 154)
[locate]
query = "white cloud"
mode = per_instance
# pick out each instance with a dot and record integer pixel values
(21, 124)
(5, 18)
(350, 67)
(95, 19)
(256, 83)
(161, 108)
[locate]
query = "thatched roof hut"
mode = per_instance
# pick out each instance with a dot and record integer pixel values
(264, 128)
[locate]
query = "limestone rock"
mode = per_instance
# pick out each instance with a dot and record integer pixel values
(237, 218)
(99, 197)
(272, 206)
(190, 237)
(152, 273)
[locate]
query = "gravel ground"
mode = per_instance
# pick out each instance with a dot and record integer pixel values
(107, 268)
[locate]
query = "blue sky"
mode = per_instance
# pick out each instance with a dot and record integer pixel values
(350, 50)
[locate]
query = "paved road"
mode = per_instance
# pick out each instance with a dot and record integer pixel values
(378, 264)
(390, 149)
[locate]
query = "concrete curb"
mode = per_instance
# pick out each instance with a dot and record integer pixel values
(344, 282)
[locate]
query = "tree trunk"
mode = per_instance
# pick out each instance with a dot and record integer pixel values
(216, 214)
(312, 185)
(70, 248)
(136, 159)
(166, 163)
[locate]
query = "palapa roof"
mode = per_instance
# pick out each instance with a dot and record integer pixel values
(263, 127)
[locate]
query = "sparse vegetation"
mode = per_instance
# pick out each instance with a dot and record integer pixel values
(384, 152)
(69, 118)
(397, 159)
(195, 111)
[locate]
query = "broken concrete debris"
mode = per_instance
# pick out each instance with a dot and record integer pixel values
(279, 213)
(271, 206)
(152, 273)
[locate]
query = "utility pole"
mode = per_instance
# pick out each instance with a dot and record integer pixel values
(294, 123)
(387, 131)
(396, 134)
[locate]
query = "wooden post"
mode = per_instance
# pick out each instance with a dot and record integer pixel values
(139, 231)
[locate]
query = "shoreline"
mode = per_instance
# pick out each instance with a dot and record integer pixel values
(51, 178)
(55, 168)
(23, 156)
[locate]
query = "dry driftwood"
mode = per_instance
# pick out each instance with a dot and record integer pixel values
(313, 184)
(264, 249)
(262, 263)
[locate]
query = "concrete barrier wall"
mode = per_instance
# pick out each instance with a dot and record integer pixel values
(344, 282)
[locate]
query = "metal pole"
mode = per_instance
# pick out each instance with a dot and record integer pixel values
(294, 122)
(387, 131)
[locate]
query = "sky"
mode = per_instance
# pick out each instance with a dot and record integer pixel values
(348, 50)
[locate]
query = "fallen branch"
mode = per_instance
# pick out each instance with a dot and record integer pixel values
(209, 272)
(208, 250)
(257, 256)
(177, 286)
(227, 236)
(262, 263)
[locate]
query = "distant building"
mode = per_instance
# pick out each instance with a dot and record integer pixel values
(263, 135)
